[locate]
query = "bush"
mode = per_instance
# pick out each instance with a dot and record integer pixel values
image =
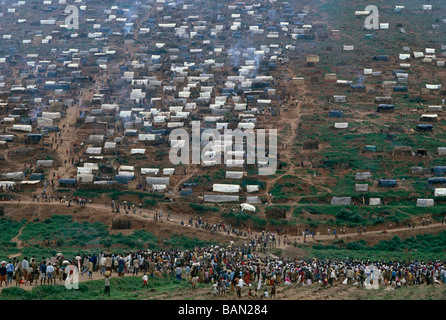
(202, 208)
(349, 216)
(121, 223)
(276, 212)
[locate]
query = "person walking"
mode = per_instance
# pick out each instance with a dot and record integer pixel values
(107, 283)
(135, 266)
(3, 272)
(9, 273)
(50, 274)
(90, 269)
(145, 281)
(178, 273)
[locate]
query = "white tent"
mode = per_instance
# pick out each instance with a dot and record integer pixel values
(41, 122)
(252, 188)
(96, 138)
(85, 178)
(361, 187)
(246, 125)
(127, 168)
(234, 174)
(44, 163)
(110, 108)
(220, 198)
(93, 166)
(363, 175)
(94, 150)
(146, 137)
(253, 199)
(158, 180)
(341, 200)
(440, 192)
(247, 207)
(81, 170)
(7, 184)
(51, 115)
(22, 127)
(375, 201)
(441, 150)
(226, 188)
(110, 145)
(341, 125)
(16, 176)
(149, 170)
(168, 171)
(137, 151)
(425, 202)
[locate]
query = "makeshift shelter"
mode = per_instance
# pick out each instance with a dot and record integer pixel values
(341, 125)
(226, 188)
(124, 177)
(95, 151)
(341, 201)
(361, 187)
(440, 192)
(437, 180)
(7, 137)
(335, 114)
(429, 117)
(67, 182)
(386, 108)
(402, 151)
(247, 207)
(36, 177)
(22, 127)
(85, 178)
(253, 199)
(234, 174)
(220, 198)
(425, 202)
(31, 184)
(14, 176)
(252, 188)
(424, 127)
(158, 180)
(387, 182)
(375, 201)
(7, 184)
(439, 170)
(44, 163)
(363, 176)
(152, 171)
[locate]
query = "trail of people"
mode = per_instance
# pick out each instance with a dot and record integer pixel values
(246, 234)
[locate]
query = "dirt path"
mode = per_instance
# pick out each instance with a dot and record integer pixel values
(291, 119)
(176, 220)
(16, 240)
(146, 215)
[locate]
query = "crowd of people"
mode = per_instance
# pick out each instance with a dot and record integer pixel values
(225, 269)
(44, 197)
